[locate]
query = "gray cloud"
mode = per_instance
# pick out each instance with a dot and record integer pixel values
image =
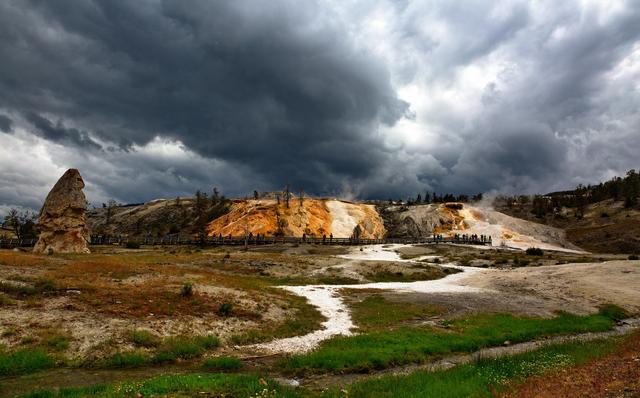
(5, 124)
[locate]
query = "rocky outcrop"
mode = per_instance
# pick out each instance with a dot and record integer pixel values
(419, 221)
(62, 223)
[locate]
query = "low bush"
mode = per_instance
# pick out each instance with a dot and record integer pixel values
(132, 245)
(144, 338)
(187, 290)
(534, 251)
(225, 309)
(633, 257)
(614, 312)
(223, 364)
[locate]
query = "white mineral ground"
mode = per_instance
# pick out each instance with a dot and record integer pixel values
(328, 300)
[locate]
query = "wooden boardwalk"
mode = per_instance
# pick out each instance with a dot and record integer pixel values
(257, 241)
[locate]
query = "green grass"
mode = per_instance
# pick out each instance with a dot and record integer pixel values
(26, 360)
(129, 359)
(223, 364)
(218, 385)
(170, 350)
(374, 312)
(482, 378)
(383, 349)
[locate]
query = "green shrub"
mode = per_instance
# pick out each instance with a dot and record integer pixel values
(132, 245)
(613, 312)
(633, 257)
(187, 290)
(534, 251)
(223, 363)
(144, 338)
(225, 309)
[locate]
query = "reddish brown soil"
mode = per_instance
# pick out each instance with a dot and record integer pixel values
(617, 375)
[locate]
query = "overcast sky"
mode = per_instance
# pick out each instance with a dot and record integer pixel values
(365, 99)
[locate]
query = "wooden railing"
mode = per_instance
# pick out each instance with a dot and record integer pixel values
(258, 240)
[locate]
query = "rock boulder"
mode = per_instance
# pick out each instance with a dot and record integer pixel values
(62, 223)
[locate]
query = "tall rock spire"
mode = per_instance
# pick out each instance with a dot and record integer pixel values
(62, 222)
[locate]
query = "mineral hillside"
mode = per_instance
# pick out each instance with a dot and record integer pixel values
(312, 217)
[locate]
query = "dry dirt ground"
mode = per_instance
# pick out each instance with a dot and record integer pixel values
(561, 284)
(577, 288)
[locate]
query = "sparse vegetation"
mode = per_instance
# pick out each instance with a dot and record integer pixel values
(306, 320)
(376, 313)
(56, 341)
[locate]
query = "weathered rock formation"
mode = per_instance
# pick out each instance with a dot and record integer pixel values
(62, 223)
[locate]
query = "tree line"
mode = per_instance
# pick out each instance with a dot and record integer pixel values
(625, 189)
(434, 197)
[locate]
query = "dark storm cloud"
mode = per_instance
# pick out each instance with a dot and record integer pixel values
(5, 124)
(272, 85)
(510, 95)
(59, 133)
